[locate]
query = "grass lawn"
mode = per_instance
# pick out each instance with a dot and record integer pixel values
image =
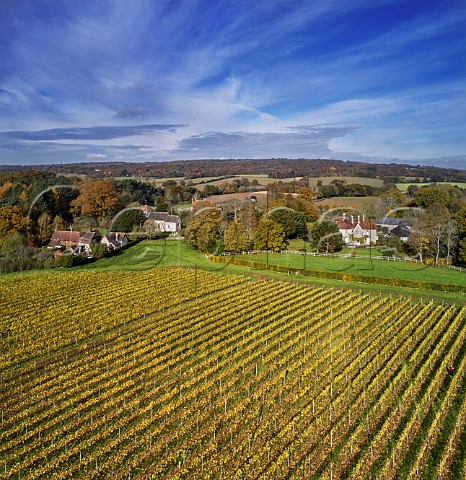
(298, 244)
(363, 266)
(152, 253)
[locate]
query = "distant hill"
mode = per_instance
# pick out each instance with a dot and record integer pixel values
(277, 168)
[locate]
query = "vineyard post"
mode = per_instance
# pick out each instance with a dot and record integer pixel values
(305, 254)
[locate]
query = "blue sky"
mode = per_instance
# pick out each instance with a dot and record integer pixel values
(152, 80)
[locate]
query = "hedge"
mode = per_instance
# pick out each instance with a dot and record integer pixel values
(347, 277)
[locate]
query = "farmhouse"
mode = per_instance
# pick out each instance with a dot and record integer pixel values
(82, 244)
(86, 240)
(165, 222)
(402, 232)
(62, 239)
(360, 232)
(73, 240)
(387, 224)
(114, 240)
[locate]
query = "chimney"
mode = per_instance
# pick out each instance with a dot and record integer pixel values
(363, 215)
(352, 219)
(358, 219)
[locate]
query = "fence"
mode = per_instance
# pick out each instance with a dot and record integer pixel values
(352, 255)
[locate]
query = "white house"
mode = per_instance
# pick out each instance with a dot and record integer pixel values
(114, 240)
(164, 222)
(86, 240)
(360, 232)
(402, 232)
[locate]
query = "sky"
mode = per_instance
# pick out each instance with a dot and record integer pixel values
(155, 80)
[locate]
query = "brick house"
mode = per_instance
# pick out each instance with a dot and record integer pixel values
(63, 239)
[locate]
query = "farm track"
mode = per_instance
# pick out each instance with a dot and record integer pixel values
(179, 373)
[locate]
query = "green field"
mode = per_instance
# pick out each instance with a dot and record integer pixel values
(358, 203)
(263, 179)
(365, 266)
(373, 182)
(404, 186)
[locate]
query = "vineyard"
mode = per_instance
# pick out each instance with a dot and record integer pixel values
(180, 373)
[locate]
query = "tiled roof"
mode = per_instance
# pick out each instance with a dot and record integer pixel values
(115, 236)
(401, 231)
(393, 221)
(163, 217)
(89, 237)
(348, 225)
(64, 237)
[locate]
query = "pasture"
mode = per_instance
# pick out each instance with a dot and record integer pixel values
(404, 186)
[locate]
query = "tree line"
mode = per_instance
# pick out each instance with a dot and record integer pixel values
(277, 168)
(34, 203)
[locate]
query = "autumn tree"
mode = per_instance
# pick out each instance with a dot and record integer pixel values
(462, 251)
(459, 219)
(306, 193)
(269, 235)
(12, 244)
(450, 239)
(392, 199)
(151, 228)
(44, 228)
(236, 237)
(419, 237)
(204, 231)
(298, 203)
(435, 218)
(428, 195)
(250, 215)
(13, 220)
(434, 233)
(98, 199)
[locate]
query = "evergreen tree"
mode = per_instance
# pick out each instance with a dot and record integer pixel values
(126, 220)
(292, 222)
(326, 237)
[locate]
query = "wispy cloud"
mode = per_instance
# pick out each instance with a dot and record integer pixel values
(306, 141)
(88, 133)
(198, 79)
